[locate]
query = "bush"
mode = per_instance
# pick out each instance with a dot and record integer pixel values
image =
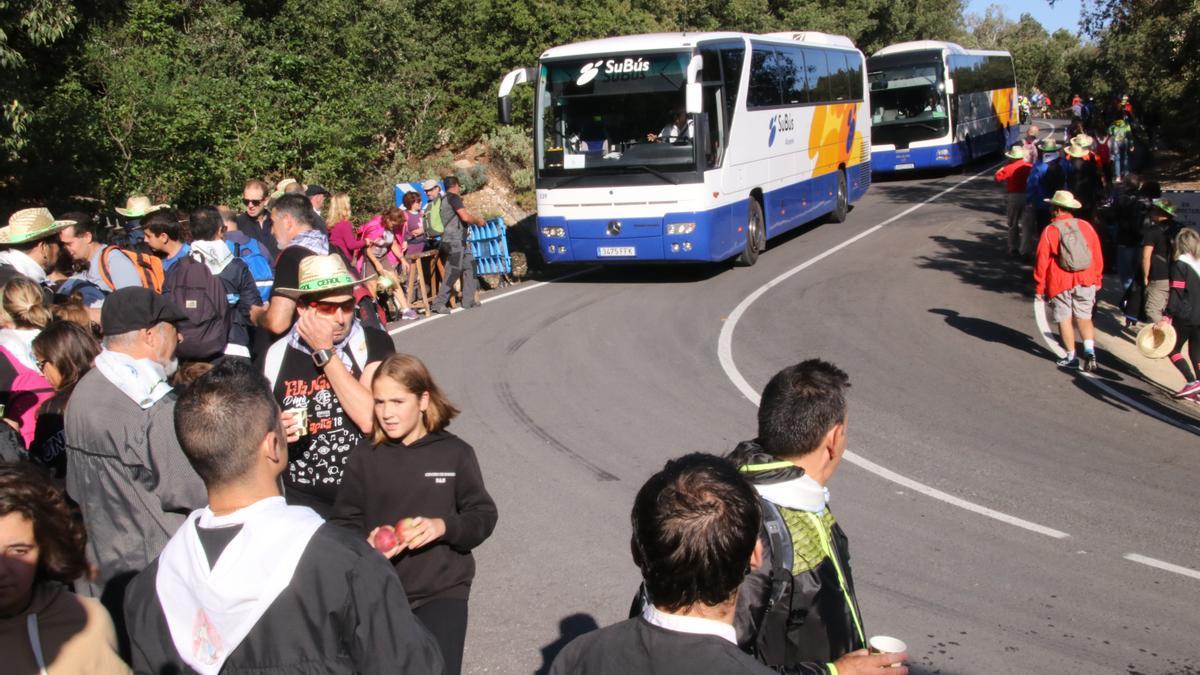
(522, 179)
(510, 147)
(472, 179)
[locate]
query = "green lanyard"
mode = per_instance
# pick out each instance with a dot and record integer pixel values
(828, 548)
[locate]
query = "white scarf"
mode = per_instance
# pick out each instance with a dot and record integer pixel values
(19, 343)
(355, 340)
(142, 380)
(215, 254)
(209, 611)
(23, 264)
(800, 494)
(1188, 260)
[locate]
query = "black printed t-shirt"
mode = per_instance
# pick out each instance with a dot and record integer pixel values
(287, 267)
(317, 461)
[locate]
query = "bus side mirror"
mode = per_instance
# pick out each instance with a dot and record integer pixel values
(695, 98)
(949, 86)
(504, 104)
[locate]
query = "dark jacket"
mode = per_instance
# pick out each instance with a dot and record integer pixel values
(636, 646)
(262, 232)
(1183, 304)
(343, 612)
(436, 477)
(811, 617)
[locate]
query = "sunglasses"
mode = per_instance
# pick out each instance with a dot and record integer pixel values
(252, 202)
(330, 308)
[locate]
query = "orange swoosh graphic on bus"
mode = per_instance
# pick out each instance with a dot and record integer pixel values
(827, 138)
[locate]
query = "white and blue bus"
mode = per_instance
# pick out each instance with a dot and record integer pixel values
(691, 147)
(935, 104)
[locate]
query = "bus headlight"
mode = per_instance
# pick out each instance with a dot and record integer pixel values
(681, 228)
(554, 232)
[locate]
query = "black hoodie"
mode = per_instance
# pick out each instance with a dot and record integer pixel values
(435, 477)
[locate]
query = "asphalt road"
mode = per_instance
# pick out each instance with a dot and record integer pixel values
(575, 391)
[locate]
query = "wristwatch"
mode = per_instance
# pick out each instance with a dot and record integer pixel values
(322, 357)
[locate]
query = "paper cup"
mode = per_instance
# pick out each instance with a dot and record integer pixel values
(882, 644)
(300, 415)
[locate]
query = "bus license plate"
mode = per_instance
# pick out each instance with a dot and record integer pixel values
(616, 251)
(900, 167)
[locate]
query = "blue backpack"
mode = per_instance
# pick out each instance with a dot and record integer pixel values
(260, 267)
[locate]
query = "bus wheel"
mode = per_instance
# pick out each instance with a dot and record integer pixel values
(756, 235)
(842, 207)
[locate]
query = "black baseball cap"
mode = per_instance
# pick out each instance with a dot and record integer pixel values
(314, 190)
(135, 308)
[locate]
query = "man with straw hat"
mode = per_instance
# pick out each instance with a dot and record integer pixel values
(320, 373)
(30, 245)
(1014, 175)
(136, 208)
(1067, 273)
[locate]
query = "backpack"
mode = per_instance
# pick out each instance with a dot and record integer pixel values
(1074, 254)
(149, 268)
(28, 391)
(201, 296)
(273, 361)
(433, 217)
(260, 267)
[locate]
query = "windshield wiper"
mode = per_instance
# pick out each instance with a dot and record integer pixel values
(656, 172)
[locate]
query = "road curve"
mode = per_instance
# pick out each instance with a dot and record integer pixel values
(574, 392)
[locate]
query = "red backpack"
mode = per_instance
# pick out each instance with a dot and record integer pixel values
(29, 389)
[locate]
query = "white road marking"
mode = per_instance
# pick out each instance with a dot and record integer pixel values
(1039, 316)
(520, 289)
(1169, 567)
(725, 356)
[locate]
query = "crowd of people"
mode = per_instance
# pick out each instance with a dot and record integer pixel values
(208, 428)
(1070, 207)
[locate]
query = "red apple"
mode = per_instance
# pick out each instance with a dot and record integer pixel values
(385, 539)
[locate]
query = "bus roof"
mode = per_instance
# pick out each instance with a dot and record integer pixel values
(924, 45)
(669, 41)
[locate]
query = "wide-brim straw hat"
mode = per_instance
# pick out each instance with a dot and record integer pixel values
(1064, 199)
(1015, 152)
(138, 206)
(1082, 140)
(31, 225)
(1155, 342)
(322, 274)
(1077, 151)
(1049, 146)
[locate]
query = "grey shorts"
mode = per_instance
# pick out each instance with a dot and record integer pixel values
(1078, 302)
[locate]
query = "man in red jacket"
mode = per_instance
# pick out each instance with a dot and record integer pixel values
(1068, 272)
(1014, 175)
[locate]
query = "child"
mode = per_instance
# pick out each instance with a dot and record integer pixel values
(415, 473)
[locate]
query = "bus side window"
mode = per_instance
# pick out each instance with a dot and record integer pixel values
(818, 76)
(731, 69)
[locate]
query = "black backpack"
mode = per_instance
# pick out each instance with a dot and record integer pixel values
(201, 295)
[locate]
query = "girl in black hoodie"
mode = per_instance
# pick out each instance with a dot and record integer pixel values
(425, 481)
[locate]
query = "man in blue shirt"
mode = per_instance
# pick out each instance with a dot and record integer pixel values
(164, 236)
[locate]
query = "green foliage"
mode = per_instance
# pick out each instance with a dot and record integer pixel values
(473, 178)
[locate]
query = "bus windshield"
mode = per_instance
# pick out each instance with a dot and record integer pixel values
(910, 94)
(614, 114)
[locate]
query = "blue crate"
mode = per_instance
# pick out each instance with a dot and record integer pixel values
(489, 246)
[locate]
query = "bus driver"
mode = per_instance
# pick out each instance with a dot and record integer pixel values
(678, 129)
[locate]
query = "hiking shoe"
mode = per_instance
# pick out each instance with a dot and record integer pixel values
(1069, 363)
(409, 315)
(1089, 363)
(1189, 389)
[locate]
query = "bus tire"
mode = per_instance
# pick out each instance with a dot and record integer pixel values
(842, 206)
(756, 235)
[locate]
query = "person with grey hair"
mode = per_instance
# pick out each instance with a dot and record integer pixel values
(125, 468)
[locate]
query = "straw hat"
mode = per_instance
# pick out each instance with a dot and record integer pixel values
(321, 274)
(1064, 199)
(1077, 151)
(282, 186)
(139, 205)
(31, 225)
(1082, 140)
(1049, 146)
(1015, 152)
(1155, 342)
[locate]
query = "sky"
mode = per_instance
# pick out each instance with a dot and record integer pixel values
(1064, 14)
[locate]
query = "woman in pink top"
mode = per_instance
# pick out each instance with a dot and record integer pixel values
(343, 234)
